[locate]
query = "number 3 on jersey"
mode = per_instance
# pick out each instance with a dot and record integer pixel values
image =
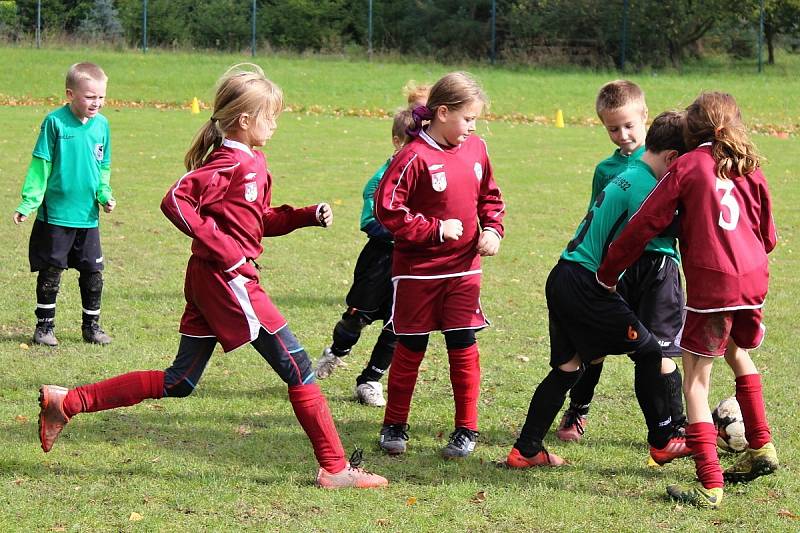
(728, 201)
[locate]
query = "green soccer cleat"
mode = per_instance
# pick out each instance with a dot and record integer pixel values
(753, 464)
(697, 495)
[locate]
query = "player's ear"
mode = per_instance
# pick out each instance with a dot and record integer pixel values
(671, 156)
(244, 121)
(70, 94)
(441, 113)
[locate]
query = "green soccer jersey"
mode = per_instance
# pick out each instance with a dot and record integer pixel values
(609, 214)
(610, 168)
(368, 211)
(79, 157)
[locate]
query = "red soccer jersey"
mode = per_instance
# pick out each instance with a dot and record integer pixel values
(427, 184)
(224, 206)
(726, 232)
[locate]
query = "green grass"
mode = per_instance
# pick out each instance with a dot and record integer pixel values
(232, 456)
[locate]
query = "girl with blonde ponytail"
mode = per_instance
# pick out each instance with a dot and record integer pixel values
(223, 204)
(725, 232)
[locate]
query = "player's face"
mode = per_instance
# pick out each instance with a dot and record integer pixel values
(626, 127)
(261, 130)
(87, 98)
(455, 125)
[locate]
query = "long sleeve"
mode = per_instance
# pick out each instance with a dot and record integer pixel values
(104, 193)
(34, 186)
(391, 202)
(654, 215)
(769, 234)
(183, 205)
(491, 208)
(285, 219)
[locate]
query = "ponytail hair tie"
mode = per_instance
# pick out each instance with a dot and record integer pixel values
(212, 118)
(718, 130)
(419, 113)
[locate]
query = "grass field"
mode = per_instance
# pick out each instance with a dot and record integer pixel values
(232, 456)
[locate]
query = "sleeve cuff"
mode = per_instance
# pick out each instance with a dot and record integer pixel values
(608, 287)
(495, 232)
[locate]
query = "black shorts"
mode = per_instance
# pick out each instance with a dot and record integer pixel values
(64, 247)
(372, 288)
(587, 319)
(652, 287)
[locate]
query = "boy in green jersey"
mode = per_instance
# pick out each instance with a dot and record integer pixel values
(651, 286)
(586, 322)
(370, 296)
(68, 178)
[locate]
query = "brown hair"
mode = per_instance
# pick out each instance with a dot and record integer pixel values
(619, 93)
(416, 94)
(455, 90)
(714, 117)
(666, 132)
(83, 72)
(242, 89)
(403, 121)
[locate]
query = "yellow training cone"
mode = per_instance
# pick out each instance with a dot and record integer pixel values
(559, 119)
(196, 106)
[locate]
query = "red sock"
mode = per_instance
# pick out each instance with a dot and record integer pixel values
(120, 391)
(751, 400)
(465, 376)
(701, 438)
(311, 410)
(402, 380)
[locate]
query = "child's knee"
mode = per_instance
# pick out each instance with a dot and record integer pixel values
(92, 281)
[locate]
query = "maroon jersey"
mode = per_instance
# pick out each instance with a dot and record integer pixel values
(224, 206)
(427, 184)
(726, 231)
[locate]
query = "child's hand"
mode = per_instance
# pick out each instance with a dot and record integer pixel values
(488, 243)
(324, 215)
(452, 229)
(19, 217)
(110, 205)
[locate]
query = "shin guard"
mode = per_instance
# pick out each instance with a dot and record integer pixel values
(120, 391)
(701, 438)
(311, 410)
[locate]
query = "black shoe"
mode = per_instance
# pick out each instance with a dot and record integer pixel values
(45, 334)
(461, 443)
(393, 438)
(94, 334)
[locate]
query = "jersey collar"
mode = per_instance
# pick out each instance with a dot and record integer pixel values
(238, 146)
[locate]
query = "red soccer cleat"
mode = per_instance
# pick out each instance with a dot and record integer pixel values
(351, 476)
(51, 414)
(572, 426)
(544, 458)
(675, 449)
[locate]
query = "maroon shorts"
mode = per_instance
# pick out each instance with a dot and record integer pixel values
(708, 333)
(226, 305)
(423, 305)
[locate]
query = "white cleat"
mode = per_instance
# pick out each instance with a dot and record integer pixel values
(327, 364)
(370, 393)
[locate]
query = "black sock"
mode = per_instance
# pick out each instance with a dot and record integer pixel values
(380, 359)
(674, 384)
(545, 404)
(653, 397)
(582, 393)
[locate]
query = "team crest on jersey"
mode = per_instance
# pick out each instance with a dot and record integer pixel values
(251, 191)
(478, 169)
(98, 151)
(250, 176)
(439, 181)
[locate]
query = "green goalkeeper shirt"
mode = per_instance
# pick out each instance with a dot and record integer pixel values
(70, 170)
(609, 214)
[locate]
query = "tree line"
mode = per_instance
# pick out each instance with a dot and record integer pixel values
(595, 33)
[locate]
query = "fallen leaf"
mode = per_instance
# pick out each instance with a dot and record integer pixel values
(21, 419)
(523, 358)
(786, 513)
(243, 431)
(23, 346)
(58, 528)
(479, 497)
(411, 500)
(382, 522)
(135, 517)
(18, 481)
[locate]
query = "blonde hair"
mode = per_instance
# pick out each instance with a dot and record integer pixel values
(714, 117)
(619, 93)
(403, 121)
(242, 89)
(84, 72)
(416, 94)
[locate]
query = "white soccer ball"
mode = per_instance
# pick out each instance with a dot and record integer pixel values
(728, 420)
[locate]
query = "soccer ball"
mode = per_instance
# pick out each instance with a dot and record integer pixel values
(728, 420)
